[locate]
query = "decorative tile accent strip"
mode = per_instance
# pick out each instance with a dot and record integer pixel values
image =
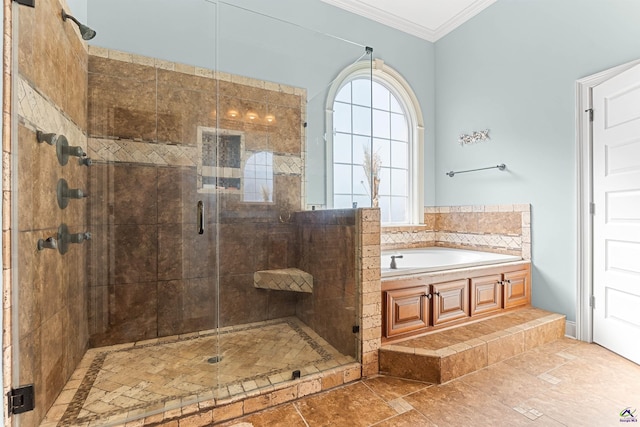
(120, 150)
(128, 151)
(286, 279)
(480, 240)
(39, 113)
(406, 237)
(287, 165)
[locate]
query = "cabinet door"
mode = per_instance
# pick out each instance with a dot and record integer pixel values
(516, 289)
(486, 294)
(450, 301)
(406, 310)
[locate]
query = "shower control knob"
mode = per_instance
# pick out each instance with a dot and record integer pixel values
(64, 193)
(78, 237)
(65, 238)
(85, 161)
(49, 138)
(64, 150)
(49, 243)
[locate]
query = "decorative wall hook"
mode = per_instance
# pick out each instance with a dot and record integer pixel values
(476, 136)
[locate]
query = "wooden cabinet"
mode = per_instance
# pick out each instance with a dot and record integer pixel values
(420, 303)
(486, 294)
(407, 310)
(450, 301)
(517, 288)
(498, 291)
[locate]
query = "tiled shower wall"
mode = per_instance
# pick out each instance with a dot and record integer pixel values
(492, 228)
(151, 273)
(327, 250)
(51, 91)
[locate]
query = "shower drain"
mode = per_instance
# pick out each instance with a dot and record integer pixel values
(214, 359)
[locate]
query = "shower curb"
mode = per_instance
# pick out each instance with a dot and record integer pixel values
(215, 411)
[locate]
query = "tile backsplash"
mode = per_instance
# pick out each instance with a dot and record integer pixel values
(492, 228)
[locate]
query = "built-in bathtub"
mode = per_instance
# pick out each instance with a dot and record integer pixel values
(425, 260)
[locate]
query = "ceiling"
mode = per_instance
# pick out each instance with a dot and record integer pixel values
(427, 19)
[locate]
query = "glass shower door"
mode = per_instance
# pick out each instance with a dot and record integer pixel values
(288, 299)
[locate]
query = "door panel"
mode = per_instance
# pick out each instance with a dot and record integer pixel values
(517, 288)
(407, 310)
(486, 294)
(616, 232)
(450, 301)
(621, 206)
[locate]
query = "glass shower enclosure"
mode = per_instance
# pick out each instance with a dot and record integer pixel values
(170, 232)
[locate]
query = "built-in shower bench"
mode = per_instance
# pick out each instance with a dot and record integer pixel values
(284, 279)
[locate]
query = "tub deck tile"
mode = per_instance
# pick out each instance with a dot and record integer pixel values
(433, 357)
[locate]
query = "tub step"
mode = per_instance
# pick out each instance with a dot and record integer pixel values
(442, 356)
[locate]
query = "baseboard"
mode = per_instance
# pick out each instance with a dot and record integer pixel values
(570, 329)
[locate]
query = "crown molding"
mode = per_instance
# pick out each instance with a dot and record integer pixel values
(384, 17)
(461, 17)
(409, 27)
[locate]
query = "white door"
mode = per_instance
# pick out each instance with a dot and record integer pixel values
(616, 223)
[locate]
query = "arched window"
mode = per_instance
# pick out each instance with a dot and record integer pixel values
(376, 115)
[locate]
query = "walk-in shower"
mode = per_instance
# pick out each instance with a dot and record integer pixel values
(163, 252)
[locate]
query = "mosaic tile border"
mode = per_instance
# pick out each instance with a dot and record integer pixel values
(72, 415)
(498, 241)
(38, 113)
(407, 237)
(104, 150)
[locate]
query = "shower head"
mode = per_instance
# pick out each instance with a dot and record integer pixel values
(86, 32)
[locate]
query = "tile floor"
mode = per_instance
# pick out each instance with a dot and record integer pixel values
(563, 383)
(124, 381)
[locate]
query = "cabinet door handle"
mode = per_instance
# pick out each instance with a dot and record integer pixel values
(501, 282)
(436, 293)
(200, 217)
(428, 296)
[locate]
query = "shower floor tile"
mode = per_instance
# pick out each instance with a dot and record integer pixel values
(120, 381)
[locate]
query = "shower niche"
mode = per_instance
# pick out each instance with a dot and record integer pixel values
(220, 154)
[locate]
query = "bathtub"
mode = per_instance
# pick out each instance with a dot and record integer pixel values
(424, 260)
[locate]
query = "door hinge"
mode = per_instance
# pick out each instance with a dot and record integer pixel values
(590, 111)
(355, 329)
(592, 208)
(21, 399)
(592, 302)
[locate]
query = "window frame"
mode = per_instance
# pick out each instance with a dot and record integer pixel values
(380, 72)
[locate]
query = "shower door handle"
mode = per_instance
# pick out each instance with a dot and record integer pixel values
(200, 217)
